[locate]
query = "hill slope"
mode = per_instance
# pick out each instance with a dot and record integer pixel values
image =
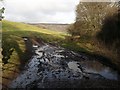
(13, 45)
(52, 26)
(14, 48)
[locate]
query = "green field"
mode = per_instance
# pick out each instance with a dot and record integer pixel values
(13, 32)
(13, 42)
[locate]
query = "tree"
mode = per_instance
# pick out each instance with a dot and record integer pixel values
(110, 30)
(1, 11)
(89, 17)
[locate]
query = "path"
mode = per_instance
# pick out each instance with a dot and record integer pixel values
(55, 67)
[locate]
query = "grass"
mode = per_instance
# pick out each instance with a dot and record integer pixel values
(14, 31)
(13, 44)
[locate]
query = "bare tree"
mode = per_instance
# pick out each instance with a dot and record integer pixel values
(89, 16)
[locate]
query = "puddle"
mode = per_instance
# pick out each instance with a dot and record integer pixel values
(48, 64)
(74, 66)
(35, 46)
(25, 38)
(97, 67)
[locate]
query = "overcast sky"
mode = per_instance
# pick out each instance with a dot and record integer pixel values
(46, 11)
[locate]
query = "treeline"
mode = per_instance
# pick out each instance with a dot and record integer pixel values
(99, 22)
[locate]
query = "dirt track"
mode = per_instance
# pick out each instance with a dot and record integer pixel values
(55, 67)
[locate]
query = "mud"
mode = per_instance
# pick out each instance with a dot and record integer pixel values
(55, 67)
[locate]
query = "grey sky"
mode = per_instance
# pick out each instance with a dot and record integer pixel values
(47, 11)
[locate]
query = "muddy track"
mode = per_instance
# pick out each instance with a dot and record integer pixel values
(56, 67)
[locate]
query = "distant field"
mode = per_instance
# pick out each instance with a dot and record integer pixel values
(52, 26)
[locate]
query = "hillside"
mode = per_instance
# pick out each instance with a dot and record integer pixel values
(14, 49)
(16, 53)
(29, 48)
(52, 26)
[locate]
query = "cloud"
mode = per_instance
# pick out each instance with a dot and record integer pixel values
(1, 4)
(54, 11)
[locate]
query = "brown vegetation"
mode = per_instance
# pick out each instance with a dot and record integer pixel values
(98, 24)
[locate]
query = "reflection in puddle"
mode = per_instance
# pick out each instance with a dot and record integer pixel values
(74, 66)
(97, 67)
(109, 74)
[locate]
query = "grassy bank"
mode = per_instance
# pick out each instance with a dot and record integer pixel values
(14, 43)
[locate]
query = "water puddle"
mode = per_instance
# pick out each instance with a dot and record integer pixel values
(49, 64)
(74, 66)
(97, 67)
